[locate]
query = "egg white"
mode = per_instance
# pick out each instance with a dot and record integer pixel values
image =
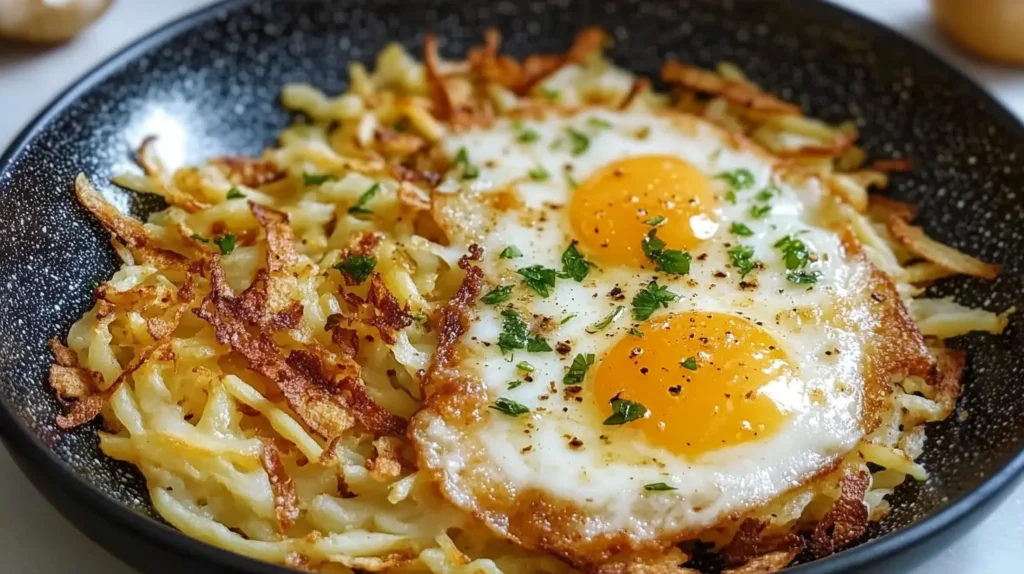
(604, 477)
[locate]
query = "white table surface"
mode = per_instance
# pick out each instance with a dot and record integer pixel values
(35, 539)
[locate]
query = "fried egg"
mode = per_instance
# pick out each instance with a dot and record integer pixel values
(721, 342)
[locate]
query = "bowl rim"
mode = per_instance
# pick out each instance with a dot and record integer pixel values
(27, 444)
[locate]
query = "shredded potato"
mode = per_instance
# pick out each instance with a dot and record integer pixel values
(260, 350)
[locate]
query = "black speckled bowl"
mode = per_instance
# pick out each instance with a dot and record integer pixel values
(208, 84)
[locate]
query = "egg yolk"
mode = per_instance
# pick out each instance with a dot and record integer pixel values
(611, 210)
(701, 376)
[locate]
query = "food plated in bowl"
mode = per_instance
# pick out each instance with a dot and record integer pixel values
(523, 314)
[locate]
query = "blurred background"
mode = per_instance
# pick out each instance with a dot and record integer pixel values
(46, 44)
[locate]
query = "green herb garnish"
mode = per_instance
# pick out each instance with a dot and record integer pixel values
(499, 294)
(538, 174)
(235, 193)
(199, 238)
(357, 267)
(360, 206)
(578, 140)
(549, 94)
(469, 171)
(730, 196)
(740, 229)
(794, 252)
(655, 221)
(578, 369)
(598, 123)
(758, 211)
(608, 320)
(658, 487)
(315, 179)
(647, 301)
(567, 318)
(513, 332)
(524, 366)
(624, 411)
(689, 363)
(318, 179)
(538, 344)
(574, 266)
(804, 277)
(742, 259)
(528, 136)
(668, 260)
(226, 243)
(510, 252)
(509, 407)
(573, 184)
(635, 332)
(738, 178)
(514, 384)
(539, 278)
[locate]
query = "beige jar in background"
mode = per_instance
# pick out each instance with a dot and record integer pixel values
(47, 21)
(993, 29)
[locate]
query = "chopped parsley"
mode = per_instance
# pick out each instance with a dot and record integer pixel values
(803, 277)
(469, 171)
(647, 301)
(513, 332)
(598, 123)
(671, 261)
(624, 411)
(608, 320)
(578, 369)
(674, 261)
(567, 318)
(510, 252)
(764, 195)
(636, 332)
(738, 178)
(742, 259)
(360, 206)
(357, 267)
(655, 221)
(689, 363)
(549, 94)
(516, 335)
(538, 174)
(317, 179)
(740, 229)
(199, 238)
(539, 278)
(569, 179)
(499, 294)
(514, 384)
(794, 252)
(524, 366)
(658, 487)
(226, 243)
(757, 211)
(730, 196)
(538, 344)
(578, 140)
(235, 193)
(509, 407)
(574, 266)
(528, 136)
